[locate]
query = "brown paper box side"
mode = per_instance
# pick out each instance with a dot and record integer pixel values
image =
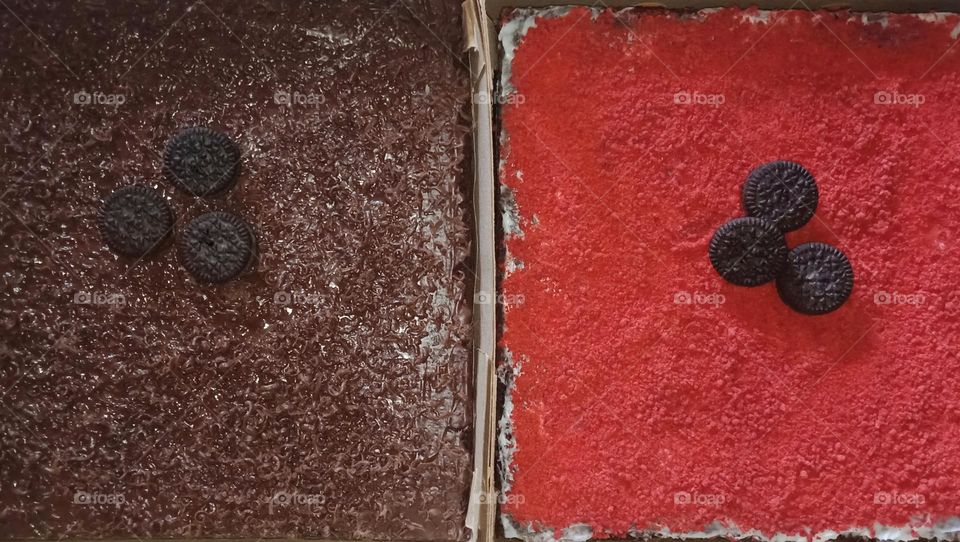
(481, 513)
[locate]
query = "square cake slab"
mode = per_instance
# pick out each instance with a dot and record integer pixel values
(647, 395)
(325, 392)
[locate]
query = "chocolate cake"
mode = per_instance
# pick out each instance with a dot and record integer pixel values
(648, 393)
(322, 392)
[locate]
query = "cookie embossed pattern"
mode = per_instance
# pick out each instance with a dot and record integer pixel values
(782, 196)
(633, 406)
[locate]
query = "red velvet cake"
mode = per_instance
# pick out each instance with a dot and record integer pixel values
(646, 394)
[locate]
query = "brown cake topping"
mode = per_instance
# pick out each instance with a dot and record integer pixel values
(324, 393)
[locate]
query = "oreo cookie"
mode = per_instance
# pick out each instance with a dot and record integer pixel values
(201, 161)
(782, 192)
(817, 279)
(134, 220)
(748, 251)
(216, 247)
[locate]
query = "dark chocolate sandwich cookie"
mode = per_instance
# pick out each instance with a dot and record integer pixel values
(217, 247)
(201, 161)
(748, 251)
(817, 279)
(782, 192)
(134, 220)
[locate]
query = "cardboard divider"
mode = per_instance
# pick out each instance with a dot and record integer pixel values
(482, 509)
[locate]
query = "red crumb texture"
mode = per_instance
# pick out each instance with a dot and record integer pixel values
(634, 409)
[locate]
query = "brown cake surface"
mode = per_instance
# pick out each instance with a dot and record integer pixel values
(325, 391)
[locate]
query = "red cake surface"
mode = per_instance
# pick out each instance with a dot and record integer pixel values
(648, 394)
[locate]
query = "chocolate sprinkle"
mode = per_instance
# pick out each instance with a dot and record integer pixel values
(217, 247)
(782, 192)
(201, 161)
(134, 220)
(326, 392)
(818, 279)
(748, 251)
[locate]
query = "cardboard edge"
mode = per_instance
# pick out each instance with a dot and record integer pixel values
(482, 507)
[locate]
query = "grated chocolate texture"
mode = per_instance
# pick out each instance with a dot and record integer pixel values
(324, 393)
